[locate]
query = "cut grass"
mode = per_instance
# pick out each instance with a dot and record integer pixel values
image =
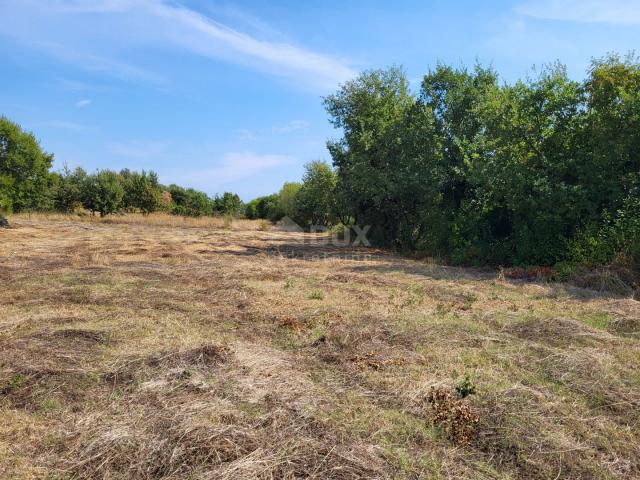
(155, 347)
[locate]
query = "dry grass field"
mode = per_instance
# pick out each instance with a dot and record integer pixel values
(164, 348)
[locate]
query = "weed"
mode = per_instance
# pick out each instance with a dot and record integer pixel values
(316, 295)
(465, 387)
(264, 225)
(16, 381)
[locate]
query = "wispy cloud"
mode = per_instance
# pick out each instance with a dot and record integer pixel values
(83, 103)
(617, 12)
(70, 126)
(292, 126)
(138, 149)
(64, 27)
(108, 66)
(246, 135)
(233, 167)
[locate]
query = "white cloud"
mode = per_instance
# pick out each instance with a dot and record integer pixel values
(246, 135)
(617, 12)
(70, 126)
(233, 167)
(138, 149)
(83, 103)
(293, 126)
(92, 33)
(108, 66)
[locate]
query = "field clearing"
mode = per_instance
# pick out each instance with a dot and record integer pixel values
(138, 348)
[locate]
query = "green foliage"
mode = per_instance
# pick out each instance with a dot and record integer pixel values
(189, 202)
(141, 191)
(287, 200)
(228, 204)
(316, 295)
(67, 193)
(538, 172)
(27, 184)
(314, 201)
(103, 192)
(264, 207)
(24, 170)
(465, 387)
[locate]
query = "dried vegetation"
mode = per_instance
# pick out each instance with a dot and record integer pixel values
(141, 349)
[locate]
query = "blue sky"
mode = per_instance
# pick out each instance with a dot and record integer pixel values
(226, 96)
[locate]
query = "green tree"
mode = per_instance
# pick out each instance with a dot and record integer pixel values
(141, 191)
(189, 202)
(264, 207)
(67, 194)
(315, 198)
(25, 180)
(371, 110)
(287, 199)
(228, 204)
(102, 192)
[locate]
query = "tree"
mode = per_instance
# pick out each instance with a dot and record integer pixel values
(228, 204)
(315, 199)
(189, 202)
(141, 191)
(24, 170)
(102, 192)
(287, 199)
(371, 110)
(67, 194)
(264, 207)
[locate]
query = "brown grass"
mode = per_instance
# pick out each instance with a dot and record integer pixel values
(132, 347)
(155, 219)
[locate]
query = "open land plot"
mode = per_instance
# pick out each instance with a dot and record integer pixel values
(165, 350)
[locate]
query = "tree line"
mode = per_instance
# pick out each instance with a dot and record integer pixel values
(543, 171)
(28, 184)
(471, 169)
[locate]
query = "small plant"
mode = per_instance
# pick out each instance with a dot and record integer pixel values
(16, 381)
(288, 283)
(465, 387)
(316, 295)
(264, 225)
